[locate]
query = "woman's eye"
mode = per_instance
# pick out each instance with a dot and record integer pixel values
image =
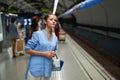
(51, 19)
(55, 20)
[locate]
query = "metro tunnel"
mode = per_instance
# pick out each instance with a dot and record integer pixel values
(88, 38)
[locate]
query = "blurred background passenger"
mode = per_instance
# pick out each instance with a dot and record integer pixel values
(14, 35)
(57, 29)
(34, 27)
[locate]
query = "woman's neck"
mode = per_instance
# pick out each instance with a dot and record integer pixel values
(48, 30)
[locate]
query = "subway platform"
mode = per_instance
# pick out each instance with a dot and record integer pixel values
(78, 64)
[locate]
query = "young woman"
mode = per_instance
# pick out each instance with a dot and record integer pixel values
(42, 47)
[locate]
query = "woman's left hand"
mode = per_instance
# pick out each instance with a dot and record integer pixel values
(53, 53)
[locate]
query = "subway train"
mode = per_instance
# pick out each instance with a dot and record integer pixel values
(94, 22)
(98, 24)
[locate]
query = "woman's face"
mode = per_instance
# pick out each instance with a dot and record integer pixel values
(51, 21)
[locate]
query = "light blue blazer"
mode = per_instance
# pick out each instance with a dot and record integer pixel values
(40, 65)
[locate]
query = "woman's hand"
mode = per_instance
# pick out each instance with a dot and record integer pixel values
(53, 53)
(50, 54)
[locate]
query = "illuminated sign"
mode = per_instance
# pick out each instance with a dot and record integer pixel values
(45, 10)
(12, 11)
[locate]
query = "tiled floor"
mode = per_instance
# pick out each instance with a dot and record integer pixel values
(79, 65)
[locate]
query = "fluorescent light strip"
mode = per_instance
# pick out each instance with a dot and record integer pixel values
(55, 6)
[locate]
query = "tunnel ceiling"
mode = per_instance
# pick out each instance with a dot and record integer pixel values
(18, 6)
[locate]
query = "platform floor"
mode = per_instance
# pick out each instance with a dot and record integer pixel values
(79, 65)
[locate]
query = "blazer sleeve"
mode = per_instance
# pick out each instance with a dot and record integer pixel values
(32, 43)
